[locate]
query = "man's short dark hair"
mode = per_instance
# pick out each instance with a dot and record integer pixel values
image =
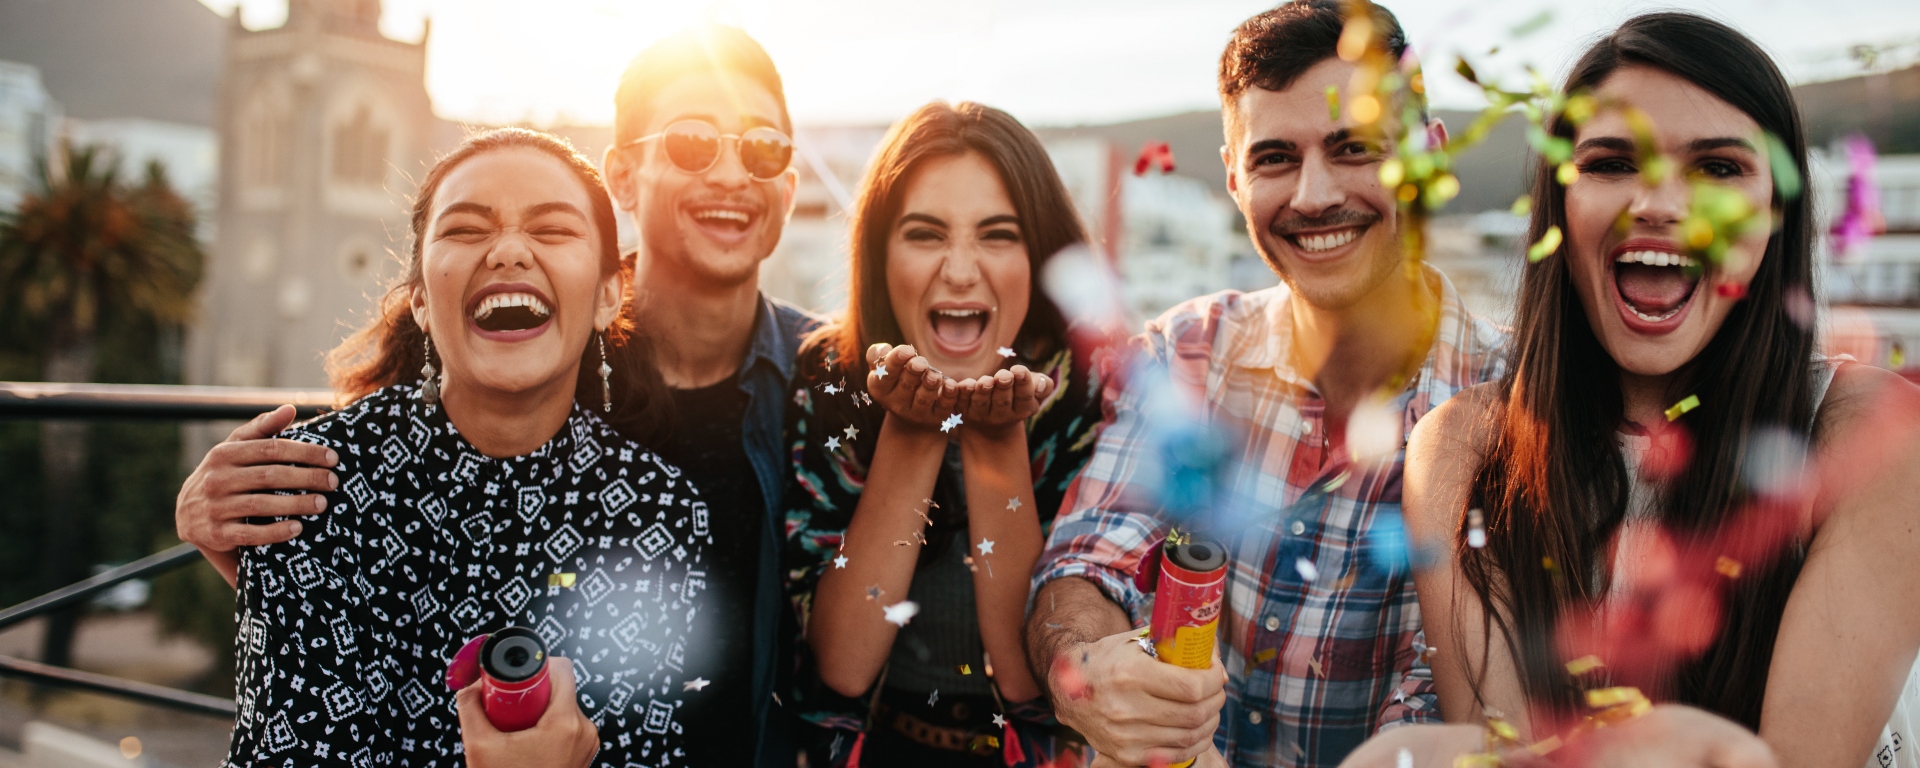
(1276, 47)
(698, 49)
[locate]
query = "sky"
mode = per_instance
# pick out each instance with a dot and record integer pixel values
(1049, 62)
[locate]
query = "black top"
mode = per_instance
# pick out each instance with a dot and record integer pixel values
(590, 540)
(706, 442)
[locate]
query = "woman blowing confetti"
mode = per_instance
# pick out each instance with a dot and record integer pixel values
(1672, 497)
(934, 431)
(490, 492)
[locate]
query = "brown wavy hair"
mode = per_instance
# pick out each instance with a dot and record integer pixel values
(1048, 221)
(390, 349)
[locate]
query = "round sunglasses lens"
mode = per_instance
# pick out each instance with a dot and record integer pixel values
(692, 145)
(765, 152)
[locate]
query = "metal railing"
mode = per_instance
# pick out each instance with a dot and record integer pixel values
(35, 400)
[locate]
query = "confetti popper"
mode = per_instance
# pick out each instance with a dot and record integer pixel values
(1186, 604)
(511, 666)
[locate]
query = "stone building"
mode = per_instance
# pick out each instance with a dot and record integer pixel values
(324, 127)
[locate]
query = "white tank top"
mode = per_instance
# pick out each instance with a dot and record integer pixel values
(1895, 748)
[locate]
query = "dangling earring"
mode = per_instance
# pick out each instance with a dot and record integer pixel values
(606, 376)
(430, 385)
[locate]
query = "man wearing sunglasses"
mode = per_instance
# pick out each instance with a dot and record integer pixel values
(702, 163)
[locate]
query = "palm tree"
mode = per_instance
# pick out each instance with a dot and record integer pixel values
(82, 246)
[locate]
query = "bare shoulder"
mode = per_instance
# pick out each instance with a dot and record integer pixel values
(1445, 451)
(1866, 397)
(1460, 429)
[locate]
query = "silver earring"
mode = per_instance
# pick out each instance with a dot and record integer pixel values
(606, 377)
(430, 384)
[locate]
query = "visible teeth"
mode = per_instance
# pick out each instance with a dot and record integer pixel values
(721, 213)
(1327, 241)
(501, 300)
(1657, 318)
(958, 312)
(1656, 259)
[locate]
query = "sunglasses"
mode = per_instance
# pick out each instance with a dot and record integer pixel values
(694, 146)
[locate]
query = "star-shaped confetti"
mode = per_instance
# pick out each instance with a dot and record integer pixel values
(933, 697)
(1014, 503)
(851, 432)
(1005, 351)
(1000, 720)
(1318, 671)
(986, 546)
(833, 443)
(831, 389)
(880, 371)
(696, 684)
(950, 423)
(840, 562)
(874, 592)
(901, 612)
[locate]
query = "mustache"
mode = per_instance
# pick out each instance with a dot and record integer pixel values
(1292, 222)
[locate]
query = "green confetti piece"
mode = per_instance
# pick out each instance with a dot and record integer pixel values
(1333, 103)
(1535, 24)
(1680, 408)
(1786, 175)
(1549, 243)
(1522, 206)
(1466, 71)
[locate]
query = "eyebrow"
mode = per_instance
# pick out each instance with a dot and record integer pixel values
(473, 208)
(1282, 145)
(751, 121)
(554, 207)
(922, 218)
(1004, 218)
(1619, 144)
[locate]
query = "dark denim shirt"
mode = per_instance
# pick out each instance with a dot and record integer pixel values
(778, 328)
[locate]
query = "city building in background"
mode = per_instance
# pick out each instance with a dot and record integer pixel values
(29, 130)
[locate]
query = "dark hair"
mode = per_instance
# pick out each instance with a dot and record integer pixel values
(1277, 46)
(391, 348)
(697, 49)
(1048, 221)
(1554, 484)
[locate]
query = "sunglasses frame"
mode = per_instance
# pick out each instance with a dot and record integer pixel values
(738, 141)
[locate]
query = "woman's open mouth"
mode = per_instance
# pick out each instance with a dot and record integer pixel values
(510, 312)
(1654, 286)
(959, 330)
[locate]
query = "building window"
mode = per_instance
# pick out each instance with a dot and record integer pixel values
(263, 144)
(360, 150)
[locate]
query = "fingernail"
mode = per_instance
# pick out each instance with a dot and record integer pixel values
(319, 503)
(332, 458)
(295, 527)
(333, 481)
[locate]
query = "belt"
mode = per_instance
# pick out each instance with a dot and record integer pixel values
(938, 737)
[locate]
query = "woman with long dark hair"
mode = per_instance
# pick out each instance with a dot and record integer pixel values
(935, 428)
(484, 485)
(1628, 506)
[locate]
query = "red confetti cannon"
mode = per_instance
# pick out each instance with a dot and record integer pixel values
(1154, 153)
(511, 665)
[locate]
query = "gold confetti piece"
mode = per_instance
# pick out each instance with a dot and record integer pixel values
(964, 669)
(1477, 760)
(1566, 173)
(1681, 408)
(1265, 656)
(1545, 746)
(1727, 567)
(1315, 664)
(1584, 664)
(1366, 109)
(564, 580)
(1392, 172)
(130, 747)
(1607, 697)
(1549, 243)
(1547, 563)
(1503, 729)
(1333, 104)
(1408, 193)
(1522, 206)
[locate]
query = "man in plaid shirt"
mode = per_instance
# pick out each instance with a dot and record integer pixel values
(1320, 636)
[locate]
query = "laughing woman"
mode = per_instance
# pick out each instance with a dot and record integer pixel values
(932, 445)
(1721, 580)
(491, 491)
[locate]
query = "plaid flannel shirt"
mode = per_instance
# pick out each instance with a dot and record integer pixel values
(1315, 665)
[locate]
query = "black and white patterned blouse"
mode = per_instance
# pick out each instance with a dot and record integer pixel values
(345, 631)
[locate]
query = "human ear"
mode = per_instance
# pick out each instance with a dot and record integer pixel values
(1233, 179)
(1436, 134)
(417, 302)
(606, 306)
(619, 178)
(790, 181)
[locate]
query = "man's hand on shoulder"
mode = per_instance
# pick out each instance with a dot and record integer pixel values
(232, 482)
(1134, 708)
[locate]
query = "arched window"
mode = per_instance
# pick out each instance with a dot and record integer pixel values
(360, 149)
(264, 138)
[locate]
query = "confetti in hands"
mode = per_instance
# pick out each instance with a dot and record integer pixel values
(1004, 398)
(915, 392)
